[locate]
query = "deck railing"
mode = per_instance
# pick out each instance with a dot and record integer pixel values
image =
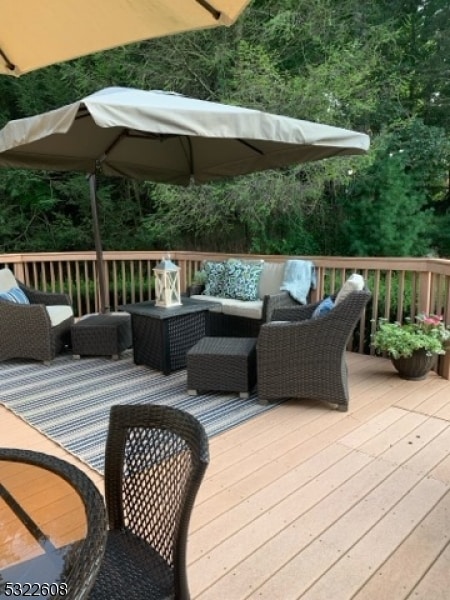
(400, 286)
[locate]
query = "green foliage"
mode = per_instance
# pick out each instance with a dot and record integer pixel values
(441, 233)
(425, 151)
(394, 193)
(262, 213)
(370, 65)
(382, 204)
(200, 277)
(402, 339)
(26, 205)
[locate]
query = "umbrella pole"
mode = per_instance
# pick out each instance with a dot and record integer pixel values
(98, 245)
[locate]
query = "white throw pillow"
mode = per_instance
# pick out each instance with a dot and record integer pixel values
(355, 283)
(7, 280)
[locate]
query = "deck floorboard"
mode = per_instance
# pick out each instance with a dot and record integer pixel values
(308, 502)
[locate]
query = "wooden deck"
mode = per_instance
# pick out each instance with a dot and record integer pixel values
(307, 502)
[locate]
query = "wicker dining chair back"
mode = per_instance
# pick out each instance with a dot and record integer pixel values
(302, 357)
(156, 457)
(83, 559)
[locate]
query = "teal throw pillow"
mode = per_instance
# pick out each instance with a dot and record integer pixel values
(15, 295)
(241, 280)
(323, 308)
(214, 282)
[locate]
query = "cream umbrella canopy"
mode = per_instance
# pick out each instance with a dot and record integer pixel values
(35, 34)
(165, 137)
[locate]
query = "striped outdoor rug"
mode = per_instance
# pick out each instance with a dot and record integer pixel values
(69, 401)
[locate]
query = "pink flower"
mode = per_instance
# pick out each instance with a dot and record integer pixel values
(432, 320)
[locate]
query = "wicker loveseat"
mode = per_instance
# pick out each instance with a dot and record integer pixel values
(234, 317)
(38, 328)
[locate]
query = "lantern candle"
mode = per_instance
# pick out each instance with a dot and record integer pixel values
(167, 284)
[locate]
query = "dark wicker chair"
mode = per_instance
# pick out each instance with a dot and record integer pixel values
(83, 559)
(156, 457)
(26, 330)
(305, 358)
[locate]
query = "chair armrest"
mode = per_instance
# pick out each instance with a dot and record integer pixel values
(301, 343)
(294, 313)
(47, 298)
(275, 302)
(323, 334)
(19, 317)
(293, 336)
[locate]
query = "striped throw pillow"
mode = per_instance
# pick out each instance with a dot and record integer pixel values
(15, 295)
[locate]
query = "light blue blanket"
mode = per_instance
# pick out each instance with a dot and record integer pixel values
(299, 278)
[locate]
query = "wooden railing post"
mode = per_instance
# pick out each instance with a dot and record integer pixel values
(183, 274)
(19, 269)
(424, 299)
(444, 364)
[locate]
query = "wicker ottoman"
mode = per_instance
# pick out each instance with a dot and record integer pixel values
(222, 364)
(101, 335)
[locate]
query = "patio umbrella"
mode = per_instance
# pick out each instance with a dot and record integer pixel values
(36, 34)
(165, 137)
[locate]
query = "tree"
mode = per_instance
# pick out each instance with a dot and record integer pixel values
(384, 210)
(379, 66)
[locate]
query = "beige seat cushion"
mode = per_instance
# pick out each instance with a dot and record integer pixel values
(7, 280)
(355, 283)
(251, 309)
(271, 278)
(215, 299)
(59, 313)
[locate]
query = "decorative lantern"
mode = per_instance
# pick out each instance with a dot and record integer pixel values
(167, 284)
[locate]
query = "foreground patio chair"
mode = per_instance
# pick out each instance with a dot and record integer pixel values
(156, 457)
(302, 357)
(33, 324)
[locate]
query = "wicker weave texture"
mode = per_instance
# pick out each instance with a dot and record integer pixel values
(162, 337)
(84, 559)
(225, 364)
(156, 457)
(221, 325)
(26, 330)
(101, 335)
(304, 357)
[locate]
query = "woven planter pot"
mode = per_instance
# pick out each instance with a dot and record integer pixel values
(415, 367)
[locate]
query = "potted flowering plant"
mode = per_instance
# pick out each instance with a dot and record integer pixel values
(412, 345)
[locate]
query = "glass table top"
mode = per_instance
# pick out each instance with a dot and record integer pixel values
(42, 522)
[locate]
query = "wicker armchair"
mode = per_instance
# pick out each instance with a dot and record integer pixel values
(305, 358)
(156, 457)
(26, 330)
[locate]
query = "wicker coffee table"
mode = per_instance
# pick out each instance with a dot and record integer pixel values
(101, 335)
(162, 336)
(222, 364)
